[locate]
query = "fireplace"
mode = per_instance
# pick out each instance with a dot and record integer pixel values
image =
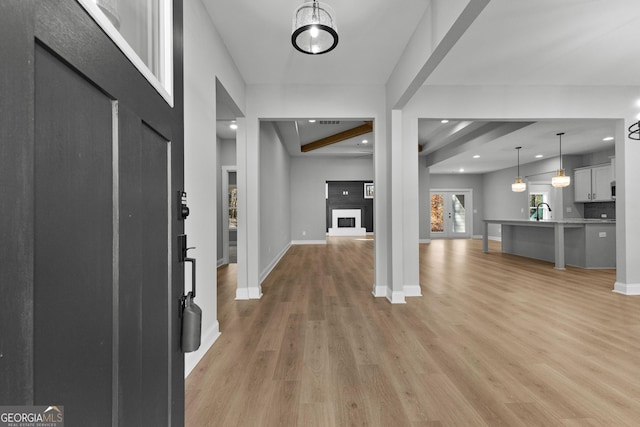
(346, 222)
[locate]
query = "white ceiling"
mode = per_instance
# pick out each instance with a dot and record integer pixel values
(372, 35)
(513, 42)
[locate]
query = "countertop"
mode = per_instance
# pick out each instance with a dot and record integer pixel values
(551, 222)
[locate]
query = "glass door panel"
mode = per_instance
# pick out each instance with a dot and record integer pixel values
(449, 214)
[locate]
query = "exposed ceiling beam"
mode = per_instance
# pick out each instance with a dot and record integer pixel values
(486, 133)
(367, 127)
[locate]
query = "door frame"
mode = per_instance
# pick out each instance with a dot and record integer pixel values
(225, 211)
(468, 208)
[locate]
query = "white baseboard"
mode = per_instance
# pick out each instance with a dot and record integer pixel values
(395, 297)
(308, 242)
(192, 359)
(255, 292)
(220, 263)
(379, 291)
(412, 291)
(495, 239)
(627, 288)
(424, 241)
(272, 265)
(242, 293)
(477, 236)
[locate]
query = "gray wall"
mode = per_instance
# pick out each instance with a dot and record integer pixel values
(308, 177)
(502, 203)
(275, 200)
(225, 156)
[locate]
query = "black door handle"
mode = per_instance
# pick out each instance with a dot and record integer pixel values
(193, 275)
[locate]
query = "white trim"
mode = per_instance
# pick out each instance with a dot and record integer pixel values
(421, 241)
(271, 266)
(379, 291)
(395, 297)
(627, 288)
(220, 263)
(469, 212)
(191, 359)
(308, 242)
(477, 236)
(412, 291)
(225, 210)
(242, 294)
(495, 239)
(255, 292)
(165, 89)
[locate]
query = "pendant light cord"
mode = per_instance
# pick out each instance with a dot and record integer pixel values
(560, 135)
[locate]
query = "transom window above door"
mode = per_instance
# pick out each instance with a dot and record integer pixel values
(143, 30)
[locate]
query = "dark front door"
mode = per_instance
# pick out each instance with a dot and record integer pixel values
(91, 163)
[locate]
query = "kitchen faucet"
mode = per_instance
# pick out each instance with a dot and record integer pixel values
(538, 206)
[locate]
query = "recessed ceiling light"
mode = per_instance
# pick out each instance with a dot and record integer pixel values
(312, 120)
(461, 170)
(538, 156)
(233, 125)
(364, 141)
(609, 138)
(444, 121)
(477, 156)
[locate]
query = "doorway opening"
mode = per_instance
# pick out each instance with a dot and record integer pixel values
(451, 214)
(229, 215)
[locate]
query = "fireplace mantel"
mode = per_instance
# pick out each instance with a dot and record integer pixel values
(357, 230)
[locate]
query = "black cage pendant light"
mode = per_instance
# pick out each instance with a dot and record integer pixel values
(314, 29)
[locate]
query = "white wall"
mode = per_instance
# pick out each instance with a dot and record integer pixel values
(205, 59)
(308, 203)
(275, 200)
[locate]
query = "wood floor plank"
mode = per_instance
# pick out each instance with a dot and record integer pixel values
(495, 340)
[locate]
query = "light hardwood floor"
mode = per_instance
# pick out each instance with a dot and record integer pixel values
(495, 340)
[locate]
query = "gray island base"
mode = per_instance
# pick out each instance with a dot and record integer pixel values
(580, 243)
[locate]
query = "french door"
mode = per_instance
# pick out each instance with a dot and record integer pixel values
(451, 214)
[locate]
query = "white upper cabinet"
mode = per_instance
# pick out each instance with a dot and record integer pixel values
(593, 184)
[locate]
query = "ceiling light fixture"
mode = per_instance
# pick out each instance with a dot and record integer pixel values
(560, 180)
(364, 141)
(444, 121)
(518, 186)
(233, 125)
(477, 156)
(312, 120)
(538, 156)
(608, 138)
(314, 29)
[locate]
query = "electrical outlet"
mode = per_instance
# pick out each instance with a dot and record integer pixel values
(602, 234)
(569, 209)
(604, 216)
(304, 233)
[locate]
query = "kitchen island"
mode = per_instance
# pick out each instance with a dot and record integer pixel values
(585, 243)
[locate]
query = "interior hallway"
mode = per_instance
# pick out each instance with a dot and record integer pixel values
(494, 340)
